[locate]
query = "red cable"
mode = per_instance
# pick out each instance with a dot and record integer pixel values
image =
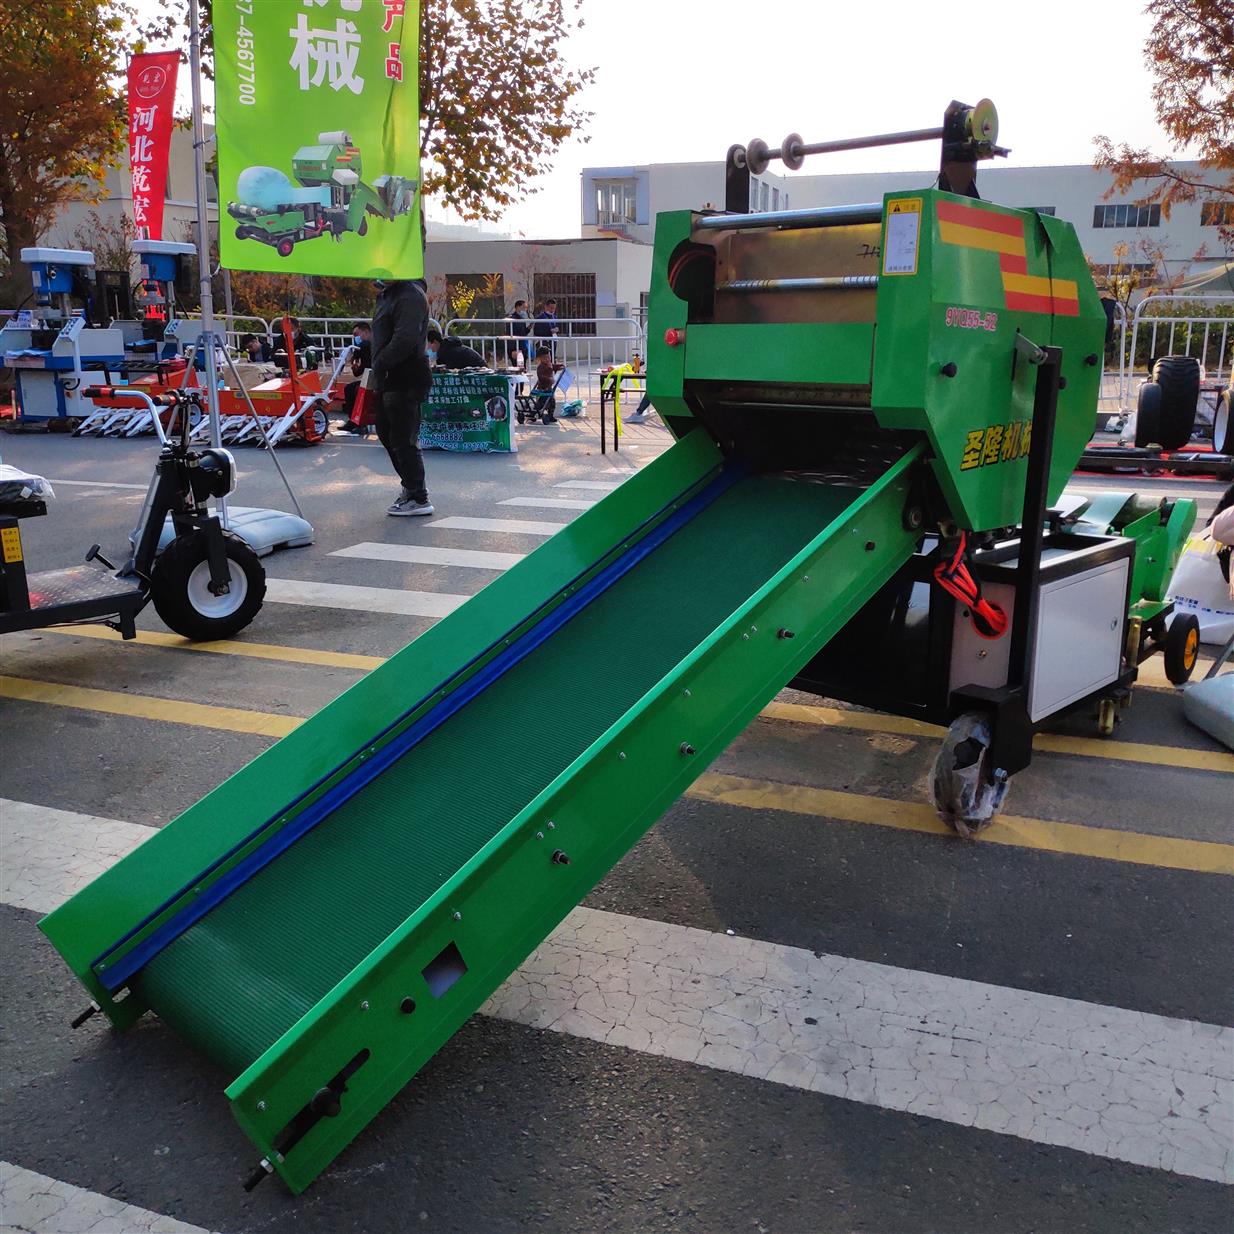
(989, 620)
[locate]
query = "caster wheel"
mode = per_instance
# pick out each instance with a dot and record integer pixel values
(1107, 716)
(968, 792)
(284, 247)
(1182, 648)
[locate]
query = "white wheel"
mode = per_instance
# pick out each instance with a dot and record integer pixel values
(205, 602)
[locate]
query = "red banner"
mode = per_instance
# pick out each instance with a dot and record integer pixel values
(152, 99)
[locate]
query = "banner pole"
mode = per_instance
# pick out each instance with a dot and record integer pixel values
(203, 238)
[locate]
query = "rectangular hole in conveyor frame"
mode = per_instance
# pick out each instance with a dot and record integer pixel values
(444, 970)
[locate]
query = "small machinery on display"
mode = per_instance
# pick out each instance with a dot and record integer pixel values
(330, 200)
(876, 410)
(53, 346)
(207, 583)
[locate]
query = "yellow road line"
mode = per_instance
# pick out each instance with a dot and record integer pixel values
(796, 713)
(226, 647)
(1168, 852)
(1195, 855)
(144, 707)
(1052, 743)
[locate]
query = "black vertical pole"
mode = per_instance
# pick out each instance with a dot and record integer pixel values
(1032, 521)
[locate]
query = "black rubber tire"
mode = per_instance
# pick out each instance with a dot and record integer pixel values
(1148, 416)
(362, 230)
(284, 248)
(170, 587)
(1182, 647)
(1179, 379)
(1223, 423)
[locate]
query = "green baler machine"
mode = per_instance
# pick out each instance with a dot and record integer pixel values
(850, 389)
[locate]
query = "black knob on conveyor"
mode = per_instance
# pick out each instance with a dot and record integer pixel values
(407, 1006)
(948, 370)
(260, 1171)
(326, 1103)
(560, 858)
(78, 1021)
(785, 632)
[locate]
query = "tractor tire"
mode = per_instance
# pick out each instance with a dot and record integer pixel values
(362, 230)
(180, 588)
(1148, 416)
(1182, 648)
(1179, 379)
(284, 247)
(1223, 423)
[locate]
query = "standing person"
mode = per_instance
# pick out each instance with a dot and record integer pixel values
(520, 330)
(401, 380)
(545, 329)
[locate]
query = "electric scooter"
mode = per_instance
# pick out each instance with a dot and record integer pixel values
(206, 584)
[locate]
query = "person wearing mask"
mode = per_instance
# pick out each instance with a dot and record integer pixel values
(401, 379)
(452, 352)
(361, 359)
(520, 331)
(256, 350)
(545, 329)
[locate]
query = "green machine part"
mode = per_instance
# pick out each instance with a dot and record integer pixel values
(321, 931)
(1160, 529)
(320, 928)
(951, 283)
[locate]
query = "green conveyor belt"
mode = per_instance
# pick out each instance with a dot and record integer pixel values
(235, 981)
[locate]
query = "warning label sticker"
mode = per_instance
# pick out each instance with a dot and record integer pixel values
(10, 544)
(903, 235)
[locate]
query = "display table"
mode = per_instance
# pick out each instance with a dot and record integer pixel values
(471, 412)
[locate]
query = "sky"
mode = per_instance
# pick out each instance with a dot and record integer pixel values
(680, 81)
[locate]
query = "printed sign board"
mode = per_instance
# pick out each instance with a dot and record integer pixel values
(468, 412)
(318, 118)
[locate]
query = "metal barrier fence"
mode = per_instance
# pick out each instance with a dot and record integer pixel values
(613, 342)
(1152, 333)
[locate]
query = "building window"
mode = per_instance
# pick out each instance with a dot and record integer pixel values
(1217, 214)
(1127, 215)
(753, 195)
(616, 203)
(764, 197)
(576, 300)
(775, 199)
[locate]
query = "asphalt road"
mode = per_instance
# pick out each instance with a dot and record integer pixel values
(514, 1127)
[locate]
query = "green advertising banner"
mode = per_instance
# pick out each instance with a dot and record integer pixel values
(468, 412)
(318, 115)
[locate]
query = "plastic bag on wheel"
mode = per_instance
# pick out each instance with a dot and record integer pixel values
(965, 794)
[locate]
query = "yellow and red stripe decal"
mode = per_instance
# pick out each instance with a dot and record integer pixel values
(969, 227)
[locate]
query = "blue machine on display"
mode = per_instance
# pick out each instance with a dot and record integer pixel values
(53, 346)
(171, 336)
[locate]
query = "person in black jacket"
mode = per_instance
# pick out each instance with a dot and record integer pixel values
(401, 379)
(452, 352)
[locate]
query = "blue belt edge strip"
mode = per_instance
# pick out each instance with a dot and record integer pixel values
(116, 976)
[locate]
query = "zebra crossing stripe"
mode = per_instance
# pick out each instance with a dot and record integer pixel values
(362, 599)
(1126, 1085)
(427, 555)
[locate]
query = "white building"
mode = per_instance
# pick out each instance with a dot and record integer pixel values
(595, 277)
(625, 201)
